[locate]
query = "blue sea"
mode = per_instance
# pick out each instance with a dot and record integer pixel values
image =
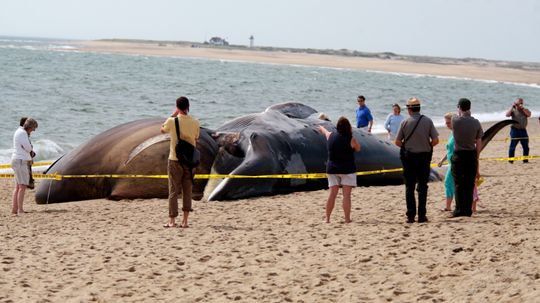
(75, 95)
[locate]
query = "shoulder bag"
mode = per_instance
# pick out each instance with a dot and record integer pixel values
(185, 152)
(403, 153)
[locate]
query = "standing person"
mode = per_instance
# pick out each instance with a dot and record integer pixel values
(416, 137)
(448, 179)
(31, 183)
(340, 167)
(180, 175)
(465, 167)
(20, 159)
(518, 133)
(364, 119)
(393, 121)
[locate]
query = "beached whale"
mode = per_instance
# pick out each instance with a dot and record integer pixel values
(281, 140)
(134, 148)
(284, 139)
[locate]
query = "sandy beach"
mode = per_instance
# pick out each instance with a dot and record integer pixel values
(277, 249)
(484, 70)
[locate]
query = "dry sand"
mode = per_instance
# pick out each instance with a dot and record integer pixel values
(276, 249)
(456, 68)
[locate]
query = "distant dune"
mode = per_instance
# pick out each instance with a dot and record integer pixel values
(474, 68)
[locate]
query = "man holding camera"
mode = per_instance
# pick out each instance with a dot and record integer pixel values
(180, 175)
(518, 132)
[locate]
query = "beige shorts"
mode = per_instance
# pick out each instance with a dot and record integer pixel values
(342, 179)
(21, 170)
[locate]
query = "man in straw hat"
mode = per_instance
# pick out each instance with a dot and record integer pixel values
(416, 137)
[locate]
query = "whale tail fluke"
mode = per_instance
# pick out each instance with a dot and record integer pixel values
(493, 130)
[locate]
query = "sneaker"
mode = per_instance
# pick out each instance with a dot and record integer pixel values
(410, 220)
(511, 162)
(423, 219)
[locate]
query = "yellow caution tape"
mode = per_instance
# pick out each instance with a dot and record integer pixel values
(510, 158)
(35, 176)
(198, 176)
(510, 139)
(224, 176)
(500, 159)
(505, 139)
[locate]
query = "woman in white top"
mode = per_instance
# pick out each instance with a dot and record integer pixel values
(393, 121)
(22, 156)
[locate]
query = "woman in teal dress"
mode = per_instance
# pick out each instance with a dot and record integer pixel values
(448, 179)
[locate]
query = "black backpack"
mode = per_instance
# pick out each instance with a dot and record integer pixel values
(185, 152)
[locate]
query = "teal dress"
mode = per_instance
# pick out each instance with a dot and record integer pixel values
(449, 180)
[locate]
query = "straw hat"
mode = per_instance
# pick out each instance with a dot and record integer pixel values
(413, 102)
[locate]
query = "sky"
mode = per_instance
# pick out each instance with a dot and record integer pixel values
(490, 29)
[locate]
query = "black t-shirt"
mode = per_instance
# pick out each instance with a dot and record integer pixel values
(340, 155)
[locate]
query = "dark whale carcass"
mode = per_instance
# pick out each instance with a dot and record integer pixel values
(284, 139)
(281, 140)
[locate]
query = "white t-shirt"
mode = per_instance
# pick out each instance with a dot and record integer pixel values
(21, 145)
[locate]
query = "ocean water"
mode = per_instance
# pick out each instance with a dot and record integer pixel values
(76, 95)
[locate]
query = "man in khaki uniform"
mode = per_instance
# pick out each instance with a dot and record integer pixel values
(416, 137)
(180, 175)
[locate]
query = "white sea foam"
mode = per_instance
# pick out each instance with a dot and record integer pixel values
(5, 156)
(61, 47)
(13, 46)
(19, 41)
(47, 150)
(378, 128)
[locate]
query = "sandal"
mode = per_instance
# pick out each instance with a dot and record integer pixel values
(169, 225)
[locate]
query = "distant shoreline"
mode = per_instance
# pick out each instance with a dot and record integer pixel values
(479, 69)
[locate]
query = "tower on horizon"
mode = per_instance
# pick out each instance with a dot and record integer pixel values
(251, 39)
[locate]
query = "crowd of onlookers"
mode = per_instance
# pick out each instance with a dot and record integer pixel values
(416, 136)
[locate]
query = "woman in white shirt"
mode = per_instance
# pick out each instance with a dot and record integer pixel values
(20, 161)
(393, 121)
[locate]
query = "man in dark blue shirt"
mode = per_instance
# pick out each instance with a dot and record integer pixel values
(364, 119)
